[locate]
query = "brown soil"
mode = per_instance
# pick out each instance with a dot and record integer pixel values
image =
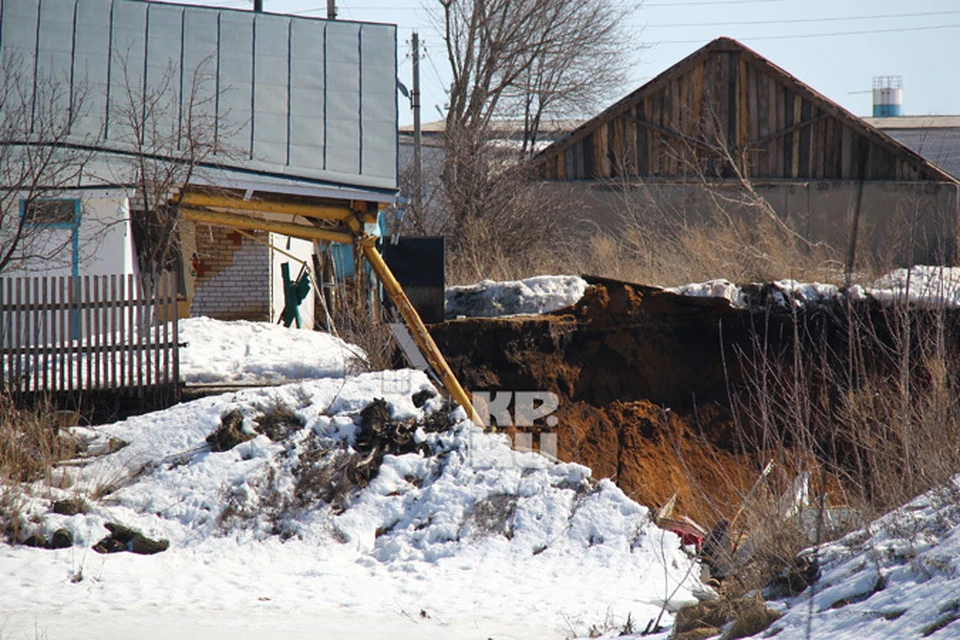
(643, 378)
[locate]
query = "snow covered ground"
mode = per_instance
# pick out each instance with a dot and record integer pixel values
(457, 535)
(462, 537)
(218, 352)
(898, 578)
(542, 294)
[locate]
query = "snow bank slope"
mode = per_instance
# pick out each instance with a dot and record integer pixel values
(898, 578)
(480, 538)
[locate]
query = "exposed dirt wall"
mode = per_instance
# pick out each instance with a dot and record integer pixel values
(645, 380)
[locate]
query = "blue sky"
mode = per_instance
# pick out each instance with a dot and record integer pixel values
(835, 46)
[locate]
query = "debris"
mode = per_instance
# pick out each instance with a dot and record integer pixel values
(745, 616)
(689, 531)
(278, 424)
(230, 433)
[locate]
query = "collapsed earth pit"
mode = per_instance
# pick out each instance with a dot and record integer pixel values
(645, 379)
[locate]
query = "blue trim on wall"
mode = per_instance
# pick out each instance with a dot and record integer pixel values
(74, 228)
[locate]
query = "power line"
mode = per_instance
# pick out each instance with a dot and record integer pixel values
(433, 67)
(820, 35)
(801, 20)
(706, 2)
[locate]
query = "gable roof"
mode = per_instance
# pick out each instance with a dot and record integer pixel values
(727, 94)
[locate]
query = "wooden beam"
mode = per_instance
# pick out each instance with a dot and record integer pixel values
(241, 221)
(324, 212)
(410, 315)
(420, 334)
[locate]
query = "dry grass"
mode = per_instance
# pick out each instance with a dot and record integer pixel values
(867, 402)
(365, 326)
(30, 446)
(649, 246)
(30, 442)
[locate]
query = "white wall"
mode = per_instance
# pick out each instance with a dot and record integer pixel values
(104, 243)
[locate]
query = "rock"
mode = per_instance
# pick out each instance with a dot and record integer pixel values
(420, 397)
(36, 541)
(68, 507)
(62, 539)
(109, 545)
(120, 532)
(147, 547)
(123, 538)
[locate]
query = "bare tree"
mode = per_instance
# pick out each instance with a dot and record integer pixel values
(39, 158)
(550, 53)
(518, 58)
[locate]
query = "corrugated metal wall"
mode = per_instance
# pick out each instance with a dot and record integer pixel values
(301, 97)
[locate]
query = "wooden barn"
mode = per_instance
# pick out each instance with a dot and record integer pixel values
(725, 118)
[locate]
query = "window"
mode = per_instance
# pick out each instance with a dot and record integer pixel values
(45, 213)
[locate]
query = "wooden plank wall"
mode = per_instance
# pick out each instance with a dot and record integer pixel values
(88, 333)
(728, 98)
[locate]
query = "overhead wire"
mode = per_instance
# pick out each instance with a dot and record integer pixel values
(801, 20)
(798, 36)
(706, 2)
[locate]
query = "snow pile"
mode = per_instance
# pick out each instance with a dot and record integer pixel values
(249, 352)
(481, 539)
(488, 299)
(798, 294)
(921, 284)
(712, 289)
(898, 578)
(782, 293)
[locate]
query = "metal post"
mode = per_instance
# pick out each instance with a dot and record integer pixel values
(417, 137)
(331, 9)
(258, 6)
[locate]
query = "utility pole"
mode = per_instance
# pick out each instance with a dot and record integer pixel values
(258, 6)
(417, 138)
(331, 9)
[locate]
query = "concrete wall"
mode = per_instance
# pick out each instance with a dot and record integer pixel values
(900, 222)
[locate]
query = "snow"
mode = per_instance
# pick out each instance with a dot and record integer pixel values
(711, 289)
(246, 352)
(487, 299)
(928, 285)
(464, 538)
(919, 284)
(897, 578)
